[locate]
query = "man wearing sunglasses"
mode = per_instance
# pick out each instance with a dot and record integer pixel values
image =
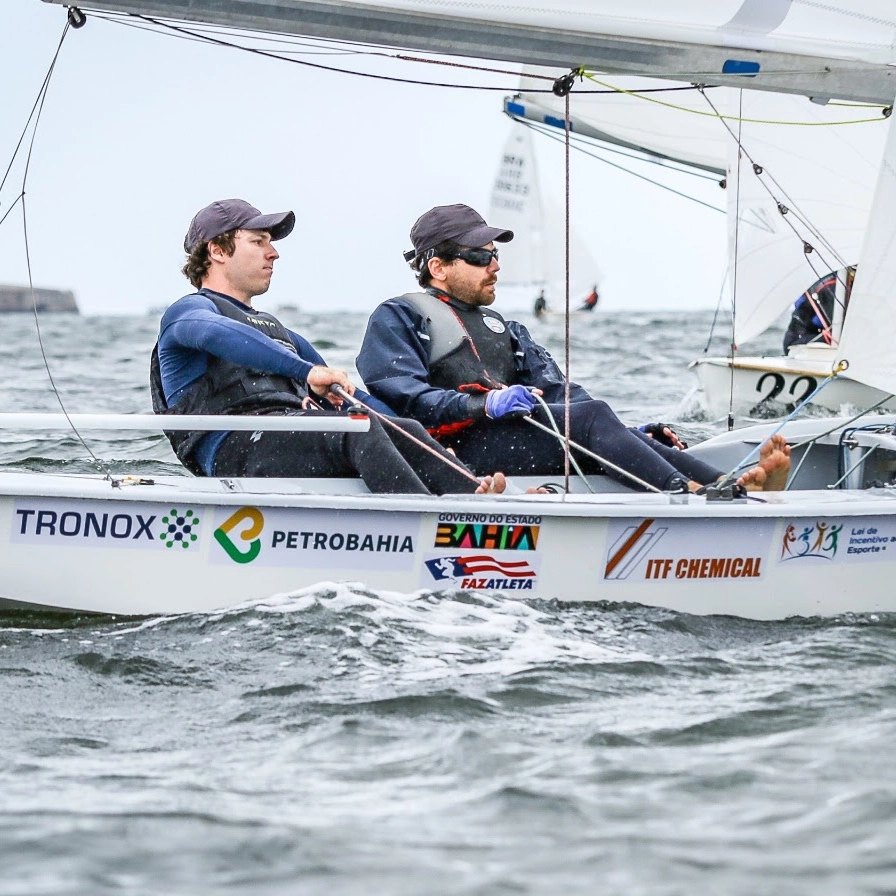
(445, 358)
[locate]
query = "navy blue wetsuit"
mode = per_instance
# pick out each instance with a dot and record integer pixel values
(405, 362)
(805, 323)
(813, 311)
(196, 336)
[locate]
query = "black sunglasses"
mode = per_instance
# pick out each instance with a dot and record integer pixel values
(479, 258)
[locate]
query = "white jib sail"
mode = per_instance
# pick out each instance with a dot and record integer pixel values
(536, 258)
(868, 342)
(822, 171)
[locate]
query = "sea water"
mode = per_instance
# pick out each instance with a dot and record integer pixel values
(340, 740)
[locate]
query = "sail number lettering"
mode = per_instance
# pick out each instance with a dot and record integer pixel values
(774, 383)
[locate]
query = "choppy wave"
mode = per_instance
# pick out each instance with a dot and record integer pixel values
(344, 740)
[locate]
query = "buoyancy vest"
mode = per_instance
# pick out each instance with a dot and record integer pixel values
(470, 349)
(227, 388)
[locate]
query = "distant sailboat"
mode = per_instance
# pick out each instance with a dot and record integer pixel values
(798, 207)
(536, 259)
(798, 196)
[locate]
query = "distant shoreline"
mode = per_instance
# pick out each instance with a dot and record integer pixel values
(24, 298)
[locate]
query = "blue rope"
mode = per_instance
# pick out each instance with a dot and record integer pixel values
(755, 452)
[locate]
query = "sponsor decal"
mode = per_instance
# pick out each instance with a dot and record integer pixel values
(819, 539)
(246, 525)
(138, 525)
(482, 572)
(495, 325)
(317, 538)
(678, 549)
(490, 536)
(842, 540)
(179, 528)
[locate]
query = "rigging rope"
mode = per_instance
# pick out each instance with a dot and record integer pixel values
(639, 94)
(383, 418)
(34, 116)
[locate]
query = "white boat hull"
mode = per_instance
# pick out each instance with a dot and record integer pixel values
(179, 545)
(772, 386)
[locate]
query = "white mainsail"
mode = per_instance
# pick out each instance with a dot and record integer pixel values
(536, 258)
(634, 113)
(822, 171)
(818, 161)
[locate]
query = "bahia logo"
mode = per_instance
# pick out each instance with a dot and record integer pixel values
(252, 521)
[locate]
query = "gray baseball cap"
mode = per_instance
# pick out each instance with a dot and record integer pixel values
(235, 214)
(453, 222)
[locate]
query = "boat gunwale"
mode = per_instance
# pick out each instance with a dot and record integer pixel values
(235, 492)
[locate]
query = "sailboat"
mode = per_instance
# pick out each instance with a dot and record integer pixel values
(826, 196)
(536, 260)
(799, 177)
(144, 545)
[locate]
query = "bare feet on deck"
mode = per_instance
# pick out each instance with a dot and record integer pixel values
(495, 485)
(491, 485)
(770, 474)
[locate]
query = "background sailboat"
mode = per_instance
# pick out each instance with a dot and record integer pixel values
(799, 185)
(536, 259)
(799, 200)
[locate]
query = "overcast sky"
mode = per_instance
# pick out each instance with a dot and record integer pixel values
(139, 130)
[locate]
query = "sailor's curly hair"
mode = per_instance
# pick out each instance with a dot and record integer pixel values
(197, 264)
(447, 250)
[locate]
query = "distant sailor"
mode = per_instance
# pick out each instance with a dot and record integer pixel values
(541, 305)
(590, 302)
(813, 311)
(217, 354)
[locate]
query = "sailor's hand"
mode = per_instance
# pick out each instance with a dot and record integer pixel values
(664, 434)
(515, 401)
(320, 379)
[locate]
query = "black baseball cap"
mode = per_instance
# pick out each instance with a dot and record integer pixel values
(460, 223)
(235, 214)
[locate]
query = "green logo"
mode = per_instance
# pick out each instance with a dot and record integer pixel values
(180, 528)
(245, 553)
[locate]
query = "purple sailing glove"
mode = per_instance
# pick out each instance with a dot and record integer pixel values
(514, 401)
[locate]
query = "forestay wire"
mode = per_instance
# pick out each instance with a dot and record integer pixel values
(32, 123)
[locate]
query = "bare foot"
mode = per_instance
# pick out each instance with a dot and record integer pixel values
(492, 485)
(753, 480)
(770, 474)
(540, 490)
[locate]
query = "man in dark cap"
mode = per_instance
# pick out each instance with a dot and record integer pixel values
(217, 354)
(445, 358)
